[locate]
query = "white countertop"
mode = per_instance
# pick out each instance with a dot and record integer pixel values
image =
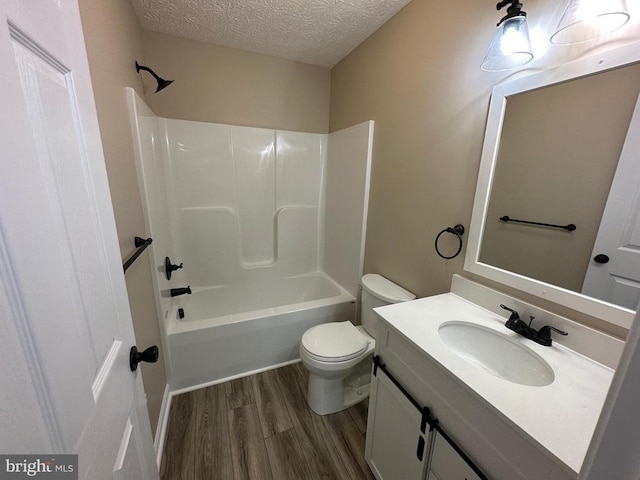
(561, 416)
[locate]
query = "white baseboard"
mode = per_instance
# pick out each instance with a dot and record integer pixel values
(161, 428)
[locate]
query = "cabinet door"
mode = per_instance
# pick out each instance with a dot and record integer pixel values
(396, 448)
(446, 464)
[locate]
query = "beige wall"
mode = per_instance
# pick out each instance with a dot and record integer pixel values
(224, 85)
(113, 38)
(419, 78)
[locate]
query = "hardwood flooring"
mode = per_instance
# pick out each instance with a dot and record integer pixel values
(261, 428)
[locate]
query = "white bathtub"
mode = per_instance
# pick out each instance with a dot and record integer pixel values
(228, 332)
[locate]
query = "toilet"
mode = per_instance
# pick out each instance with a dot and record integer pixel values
(338, 355)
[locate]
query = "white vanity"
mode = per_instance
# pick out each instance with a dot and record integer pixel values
(458, 396)
(513, 423)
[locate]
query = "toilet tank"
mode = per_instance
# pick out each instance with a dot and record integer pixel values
(376, 292)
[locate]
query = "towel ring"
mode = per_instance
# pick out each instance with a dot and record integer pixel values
(458, 231)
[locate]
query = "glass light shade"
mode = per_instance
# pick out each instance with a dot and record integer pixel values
(510, 47)
(584, 20)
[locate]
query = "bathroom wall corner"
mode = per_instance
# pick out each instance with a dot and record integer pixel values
(112, 69)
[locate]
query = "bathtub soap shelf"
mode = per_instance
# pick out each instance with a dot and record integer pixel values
(169, 268)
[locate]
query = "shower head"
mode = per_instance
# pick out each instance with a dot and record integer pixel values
(162, 83)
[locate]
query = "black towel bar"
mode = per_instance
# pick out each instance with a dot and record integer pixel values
(571, 227)
(140, 244)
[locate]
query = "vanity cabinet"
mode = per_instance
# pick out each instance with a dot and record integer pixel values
(496, 447)
(446, 464)
(396, 447)
(404, 441)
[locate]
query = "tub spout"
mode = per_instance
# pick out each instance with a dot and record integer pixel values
(180, 291)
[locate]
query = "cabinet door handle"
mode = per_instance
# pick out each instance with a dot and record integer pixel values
(420, 452)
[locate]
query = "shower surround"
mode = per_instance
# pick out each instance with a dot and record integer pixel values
(247, 202)
(270, 227)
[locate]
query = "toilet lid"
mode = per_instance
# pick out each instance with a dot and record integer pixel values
(334, 342)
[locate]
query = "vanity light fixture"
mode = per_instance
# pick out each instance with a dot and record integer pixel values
(584, 20)
(511, 46)
(162, 83)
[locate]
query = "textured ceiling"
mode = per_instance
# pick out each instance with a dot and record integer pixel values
(319, 32)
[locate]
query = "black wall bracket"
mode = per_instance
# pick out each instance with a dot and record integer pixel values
(141, 244)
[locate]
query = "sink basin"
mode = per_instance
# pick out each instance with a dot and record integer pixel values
(496, 353)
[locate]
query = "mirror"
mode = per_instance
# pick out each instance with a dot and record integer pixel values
(553, 144)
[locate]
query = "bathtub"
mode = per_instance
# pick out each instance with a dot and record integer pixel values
(251, 208)
(231, 332)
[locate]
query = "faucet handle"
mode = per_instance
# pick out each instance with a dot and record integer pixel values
(545, 332)
(515, 323)
(170, 267)
(514, 315)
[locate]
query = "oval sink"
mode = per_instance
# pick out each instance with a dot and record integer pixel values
(496, 353)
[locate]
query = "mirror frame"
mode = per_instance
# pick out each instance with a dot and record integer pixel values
(613, 58)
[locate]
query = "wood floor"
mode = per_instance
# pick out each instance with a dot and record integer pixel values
(260, 427)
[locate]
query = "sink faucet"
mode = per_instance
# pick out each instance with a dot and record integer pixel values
(542, 336)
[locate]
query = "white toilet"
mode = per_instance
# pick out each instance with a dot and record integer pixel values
(338, 355)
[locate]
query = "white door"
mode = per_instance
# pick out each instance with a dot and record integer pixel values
(618, 279)
(66, 331)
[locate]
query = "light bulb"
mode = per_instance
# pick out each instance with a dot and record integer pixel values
(510, 47)
(584, 20)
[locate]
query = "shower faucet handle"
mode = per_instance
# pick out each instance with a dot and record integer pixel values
(170, 267)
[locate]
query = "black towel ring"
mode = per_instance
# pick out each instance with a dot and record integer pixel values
(458, 231)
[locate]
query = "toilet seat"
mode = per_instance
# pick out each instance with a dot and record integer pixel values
(334, 342)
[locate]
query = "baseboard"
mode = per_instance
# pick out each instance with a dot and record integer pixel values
(161, 428)
(233, 377)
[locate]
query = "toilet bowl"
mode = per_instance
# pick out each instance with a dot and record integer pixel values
(338, 355)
